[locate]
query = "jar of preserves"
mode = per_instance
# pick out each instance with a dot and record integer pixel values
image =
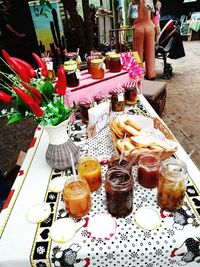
(88, 60)
(51, 73)
(70, 62)
(130, 93)
(90, 169)
(172, 184)
(100, 97)
(107, 60)
(85, 104)
(77, 197)
(115, 63)
(119, 192)
(148, 171)
(97, 68)
(117, 99)
(73, 56)
(72, 75)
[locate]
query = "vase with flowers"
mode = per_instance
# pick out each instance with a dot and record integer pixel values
(43, 101)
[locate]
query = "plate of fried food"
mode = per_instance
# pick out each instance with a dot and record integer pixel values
(135, 134)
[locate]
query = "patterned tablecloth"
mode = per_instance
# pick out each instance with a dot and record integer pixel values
(175, 243)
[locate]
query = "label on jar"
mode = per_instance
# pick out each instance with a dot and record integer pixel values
(49, 65)
(103, 65)
(120, 97)
(78, 74)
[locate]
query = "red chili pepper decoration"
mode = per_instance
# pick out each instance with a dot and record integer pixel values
(41, 64)
(29, 101)
(5, 97)
(30, 70)
(6, 56)
(34, 93)
(61, 84)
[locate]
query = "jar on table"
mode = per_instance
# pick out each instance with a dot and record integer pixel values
(117, 99)
(100, 98)
(97, 68)
(85, 104)
(72, 75)
(115, 63)
(148, 171)
(73, 56)
(49, 62)
(70, 62)
(107, 60)
(172, 184)
(88, 60)
(119, 192)
(130, 93)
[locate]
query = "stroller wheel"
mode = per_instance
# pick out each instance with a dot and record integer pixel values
(167, 74)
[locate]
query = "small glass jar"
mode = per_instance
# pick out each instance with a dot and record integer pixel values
(100, 98)
(119, 192)
(130, 93)
(148, 171)
(117, 99)
(88, 60)
(77, 197)
(115, 63)
(73, 56)
(85, 104)
(51, 73)
(172, 184)
(90, 169)
(97, 68)
(107, 60)
(72, 75)
(70, 62)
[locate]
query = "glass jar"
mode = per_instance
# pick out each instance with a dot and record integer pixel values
(72, 75)
(90, 169)
(77, 197)
(97, 68)
(51, 73)
(148, 171)
(130, 93)
(107, 60)
(85, 104)
(73, 56)
(115, 63)
(119, 192)
(88, 59)
(172, 184)
(70, 62)
(117, 99)
(100, 98)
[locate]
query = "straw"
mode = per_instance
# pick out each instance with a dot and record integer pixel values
(122, 150)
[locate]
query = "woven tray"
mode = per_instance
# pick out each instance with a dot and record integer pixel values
(158, 124)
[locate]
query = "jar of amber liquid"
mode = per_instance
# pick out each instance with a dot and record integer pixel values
(72, 75)
(77, 197)
(97, 68)
(115, 63)
(107, 60)
(117, 99)
(148, 171)
(85, 104)
(90, 169)
(88, 60)
(119, 192)
(130, 93)
(172, 184)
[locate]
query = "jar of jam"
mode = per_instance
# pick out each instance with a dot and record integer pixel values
(130, 93)
(70, 62)
(115, 63)
(88, 59)
(119, 192)
(107, 60)
(100, 98)
(117, 99)
(73, 56)
(148, 171)
(72, 75)
(97, 68)
(96, 54)
(51, 74)
(172, 184)
(85, 104)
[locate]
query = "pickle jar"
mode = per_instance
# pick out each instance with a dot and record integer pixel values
(148, 171)
(100, 98)
(115, 63)
(172, 184)
(72, 75)
(117, 99)
(85, 104)
(130, 93)
(97, 68)
(119, 191)
(107, 60)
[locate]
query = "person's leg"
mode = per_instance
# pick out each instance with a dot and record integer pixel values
(138, 39)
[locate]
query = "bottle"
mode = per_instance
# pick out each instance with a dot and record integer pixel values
(117, 99)
(97, 68)
(115, 63)
(130, 93)
(72, 75)
(85, 104)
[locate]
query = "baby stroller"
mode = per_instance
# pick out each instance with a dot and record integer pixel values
(165, 43)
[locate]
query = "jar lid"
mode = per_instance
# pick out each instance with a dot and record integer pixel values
(97, 61)
(46, 59)
(110, 53)
(70, 67)
(129, 85)
(71, 54)
(114, 55)
(117, 90)
(70, 62)
(92, 57)
(96, 53)
(100, 96)
(84, 101)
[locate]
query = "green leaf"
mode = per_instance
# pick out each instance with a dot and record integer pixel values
(41, 11)
(47, 90)
(15, 118)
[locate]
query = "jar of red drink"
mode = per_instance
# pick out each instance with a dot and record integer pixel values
(119, 191)
(117, 99)
(85, 104)
(148, 171)
(115, 63)
(172, 184)
(97, 68)
(100, 98)
(130, 93)
(72, 75)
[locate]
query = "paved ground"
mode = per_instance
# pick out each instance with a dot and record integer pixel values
(182, 113)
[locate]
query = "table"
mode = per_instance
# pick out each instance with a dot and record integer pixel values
(24, 244)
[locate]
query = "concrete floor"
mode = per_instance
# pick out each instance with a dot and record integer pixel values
(182, 112)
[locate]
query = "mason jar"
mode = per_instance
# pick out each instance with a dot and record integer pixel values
(130, 93)
(117, 99)
(72, 75)
(85, 104)
(97, 68)
(115, 63)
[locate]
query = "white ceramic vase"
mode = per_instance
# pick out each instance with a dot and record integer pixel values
(60, 146)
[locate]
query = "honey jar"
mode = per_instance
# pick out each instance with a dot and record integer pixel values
(117, 99)
(130, 93)
(97, 68)
(85, 104)
(107, 60)
(115, 63)
(72, 75)
(88, 59)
